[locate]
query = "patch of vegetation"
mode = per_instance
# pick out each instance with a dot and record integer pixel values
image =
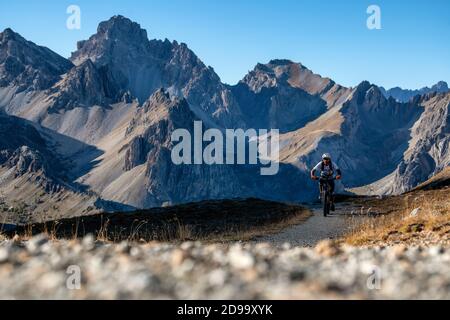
(401, 222)
(221, 220)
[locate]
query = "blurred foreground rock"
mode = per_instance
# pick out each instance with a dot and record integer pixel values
(41, 268)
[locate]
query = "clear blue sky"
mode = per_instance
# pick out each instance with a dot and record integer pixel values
(330, 37)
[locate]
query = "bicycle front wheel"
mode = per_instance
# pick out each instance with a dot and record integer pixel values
(326, 203)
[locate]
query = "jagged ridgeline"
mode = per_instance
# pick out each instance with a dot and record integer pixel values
(93, 132)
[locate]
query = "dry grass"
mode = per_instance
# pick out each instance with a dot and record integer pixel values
(231, 233)
(213, 228)
(397, 225)
(182, 232)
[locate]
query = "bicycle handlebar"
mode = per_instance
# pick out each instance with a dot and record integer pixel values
(325, 179)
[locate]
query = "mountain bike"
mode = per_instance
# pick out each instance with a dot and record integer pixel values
(325, 195)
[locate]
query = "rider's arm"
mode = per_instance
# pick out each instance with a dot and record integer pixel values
(338, 172)
(313, 171)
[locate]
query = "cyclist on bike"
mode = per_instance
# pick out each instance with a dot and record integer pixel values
(327, 169)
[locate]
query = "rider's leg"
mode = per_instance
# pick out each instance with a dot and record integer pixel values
(320, 189)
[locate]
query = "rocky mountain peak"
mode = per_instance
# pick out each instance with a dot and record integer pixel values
(364, 86)
(274, 68)
(369, 115)
(144, 65)
(120, 28)
(440, 87)
(404, 95)
(26, 65)
(280, 62)
(114, 37)
(286, 73)
(363, 90)
(9, 34)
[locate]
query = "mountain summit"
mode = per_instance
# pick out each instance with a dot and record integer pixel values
(271, 93)
(28, 66)
(118, 35)
(142, 66)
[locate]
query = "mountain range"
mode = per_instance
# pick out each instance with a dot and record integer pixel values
(92, 133)
(403, 95)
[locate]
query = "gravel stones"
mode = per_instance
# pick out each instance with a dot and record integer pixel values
(41, 268)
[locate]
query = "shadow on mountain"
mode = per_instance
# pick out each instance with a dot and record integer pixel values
(60, 157)
(290, 184)
(274, 107)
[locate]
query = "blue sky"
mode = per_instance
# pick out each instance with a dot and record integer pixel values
(330, 37)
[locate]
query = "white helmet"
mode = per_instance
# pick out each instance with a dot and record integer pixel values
(326, 156)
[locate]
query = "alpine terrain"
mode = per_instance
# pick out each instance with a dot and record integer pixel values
(93, 132)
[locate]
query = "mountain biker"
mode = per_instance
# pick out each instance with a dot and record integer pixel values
(327, 169)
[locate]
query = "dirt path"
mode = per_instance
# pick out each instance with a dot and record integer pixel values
(315, 229)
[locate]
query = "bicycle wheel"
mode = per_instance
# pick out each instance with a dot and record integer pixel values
(326, 204)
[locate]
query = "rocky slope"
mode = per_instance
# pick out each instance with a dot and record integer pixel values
(138, 169)
(85, 86)
(427, 152)
(429, 149)
(35, 179)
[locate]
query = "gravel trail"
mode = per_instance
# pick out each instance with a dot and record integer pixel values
(315, 229)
